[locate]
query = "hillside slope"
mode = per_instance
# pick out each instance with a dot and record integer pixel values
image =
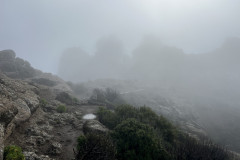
(40, 112)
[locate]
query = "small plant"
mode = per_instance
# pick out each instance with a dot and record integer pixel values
(13, 153)
(61, 109)
(75, 100)
(43, 102)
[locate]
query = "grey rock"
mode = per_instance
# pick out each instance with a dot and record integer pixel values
(34, 156)
(7, 55)
(65, 98)
(1, 141)
(94, 126)
(55, 148)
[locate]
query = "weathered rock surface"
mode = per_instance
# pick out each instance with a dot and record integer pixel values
(1, 141)
(18, 68)
(15, 67)
(94, 126)
(28, 116)
(17, 102)
(55, 148)
(34, 156)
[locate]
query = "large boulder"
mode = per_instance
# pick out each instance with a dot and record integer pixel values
(64, 98)
(94, 126)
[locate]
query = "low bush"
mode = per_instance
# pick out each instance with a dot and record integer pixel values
(95, 146)
(61, 109)
(139, 133)
(13, 153)
(43, 102)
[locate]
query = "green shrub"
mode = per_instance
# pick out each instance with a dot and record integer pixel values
(43, 102)
(75, 100)
(61, 109)
(13, 153)
(109, 96)
(136, 140)
(107, 117)
(95, 146)
(82, 141)
(140, 134)
(143, 114)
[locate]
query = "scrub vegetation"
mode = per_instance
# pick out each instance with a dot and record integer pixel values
(140, 134)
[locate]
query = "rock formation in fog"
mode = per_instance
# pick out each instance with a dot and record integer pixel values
(108, 61)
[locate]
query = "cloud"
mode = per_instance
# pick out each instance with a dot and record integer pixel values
(46, 28)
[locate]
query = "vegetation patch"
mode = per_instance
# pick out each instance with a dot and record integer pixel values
(140, 134)
(43, 102)
(108, 97)
(13, 153)
(61, 109)
(95, 146)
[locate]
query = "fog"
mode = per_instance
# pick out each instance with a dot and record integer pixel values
(39, 29)
(205, 86)
(182, 49)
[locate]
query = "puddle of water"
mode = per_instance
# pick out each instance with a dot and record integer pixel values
(89, 116)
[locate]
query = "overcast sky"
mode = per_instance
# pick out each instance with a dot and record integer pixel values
(39, 30)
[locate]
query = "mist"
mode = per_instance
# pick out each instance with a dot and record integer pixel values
(39, 29)
(209, 82)
(182, 51)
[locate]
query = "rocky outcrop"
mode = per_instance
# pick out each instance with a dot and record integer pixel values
(50, 81)
(18, 68)
(17, 102)
(28, 116)
(7, 55)
(15, 67)
(65, 98)
(1, 141)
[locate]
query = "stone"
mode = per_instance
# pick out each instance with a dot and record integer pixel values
(65, 98)
(7, 55)
(34, 156)
(1, 141)
(94, 126)
(55, 148)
